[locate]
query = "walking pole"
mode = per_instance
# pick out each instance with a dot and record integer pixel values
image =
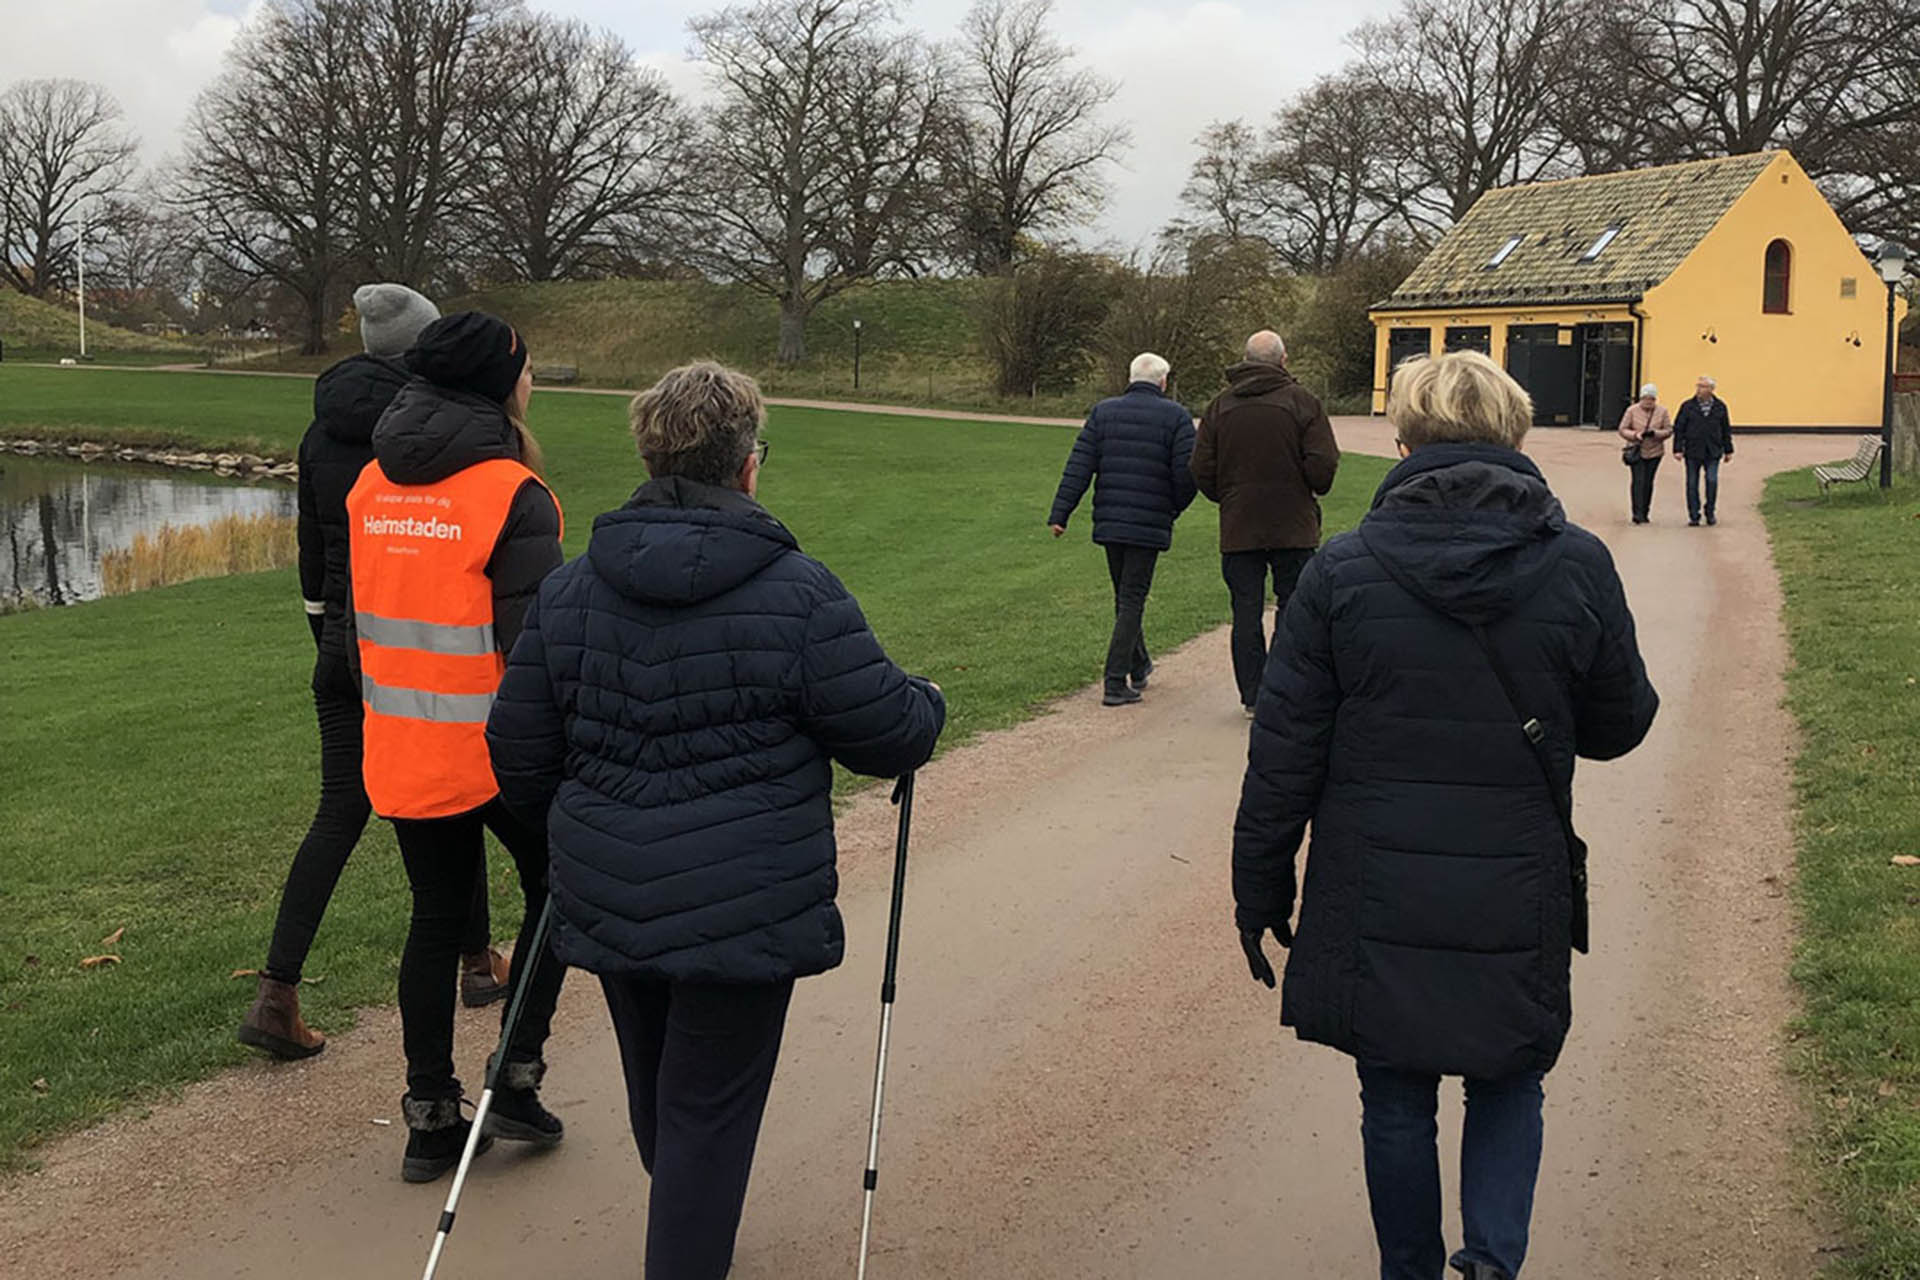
(507, 1027)
(902, 796)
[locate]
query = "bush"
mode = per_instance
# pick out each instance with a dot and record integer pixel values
(1333, 341)
(1038, 321)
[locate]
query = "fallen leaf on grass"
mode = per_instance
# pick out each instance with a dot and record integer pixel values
(99, 962)
(113, 939)
(1905, 860)
(33, 962)
(1887, 1089)
(40, 1085)
(246, 973)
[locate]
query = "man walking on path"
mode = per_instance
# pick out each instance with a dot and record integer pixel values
(1703, 435)
(1136, 450)
(1266, 453)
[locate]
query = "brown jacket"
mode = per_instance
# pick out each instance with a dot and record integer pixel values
(1650, 427)
(1265, 454)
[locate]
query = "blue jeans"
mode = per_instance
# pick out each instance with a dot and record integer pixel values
(1499, 1162)
(1694, 467)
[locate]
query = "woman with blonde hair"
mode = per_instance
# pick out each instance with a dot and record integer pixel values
(671, 716)
(1646, 428)
(1437, 672)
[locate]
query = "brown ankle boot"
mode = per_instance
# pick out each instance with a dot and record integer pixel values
(485, 976)
(274, 1024)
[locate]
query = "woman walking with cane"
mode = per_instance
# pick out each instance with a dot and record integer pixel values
(1437, 672)
(452, 531)
(672, 713)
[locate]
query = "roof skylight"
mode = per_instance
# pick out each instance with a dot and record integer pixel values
(1600, 244)
(1500, 254)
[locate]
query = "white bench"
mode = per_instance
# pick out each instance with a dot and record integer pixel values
(1858, 467)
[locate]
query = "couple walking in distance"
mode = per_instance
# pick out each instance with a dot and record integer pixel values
(1434, 676)
(1264, 451)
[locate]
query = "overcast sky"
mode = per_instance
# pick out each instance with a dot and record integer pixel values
(1180, 63)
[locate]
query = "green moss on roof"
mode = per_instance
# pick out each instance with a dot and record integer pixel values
(1662, 214)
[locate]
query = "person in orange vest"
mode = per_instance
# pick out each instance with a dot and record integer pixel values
(451, 530)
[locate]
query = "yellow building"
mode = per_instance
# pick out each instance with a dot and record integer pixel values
(1584, 289)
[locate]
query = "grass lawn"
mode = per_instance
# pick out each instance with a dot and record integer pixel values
(160, 754)
(1851, 569)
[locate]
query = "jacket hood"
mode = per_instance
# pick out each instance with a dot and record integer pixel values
(1471, 529)
(428, 433)
(1257, 378)
(678, 542)
(349, 398)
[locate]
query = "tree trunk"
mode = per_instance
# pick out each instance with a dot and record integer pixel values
(793, 329)
(315, 342)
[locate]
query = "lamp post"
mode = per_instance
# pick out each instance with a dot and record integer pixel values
(856, 354)
(1891, 263)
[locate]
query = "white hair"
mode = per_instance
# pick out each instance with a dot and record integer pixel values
(1148, 367)
(1708, 379)
(1649, 390)
(1267, 347)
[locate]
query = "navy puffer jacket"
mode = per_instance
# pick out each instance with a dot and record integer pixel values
(1136, 450)
(672, 712)
(1434, 931)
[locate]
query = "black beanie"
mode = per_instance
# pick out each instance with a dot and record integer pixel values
(470, 351)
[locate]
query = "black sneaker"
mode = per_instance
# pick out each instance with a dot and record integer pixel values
(1120, 697)
(1694, 523)
(1713, 520)
(1140, 681)
(516, 1114)
(436, 1137)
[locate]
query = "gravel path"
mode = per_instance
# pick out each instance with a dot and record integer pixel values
(1085, 1082)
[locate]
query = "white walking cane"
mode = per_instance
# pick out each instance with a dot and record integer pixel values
(902, 796)
(499, 1062)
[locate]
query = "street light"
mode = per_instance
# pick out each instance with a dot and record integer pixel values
(1891, 263)
(856, 355)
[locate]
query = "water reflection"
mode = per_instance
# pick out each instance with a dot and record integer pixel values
(62, 517)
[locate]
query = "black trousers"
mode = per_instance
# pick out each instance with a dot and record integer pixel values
(336, 828)
(444, 856)
(699, 1060)
(1246, 574)
(1132, 571)
(1643, 473)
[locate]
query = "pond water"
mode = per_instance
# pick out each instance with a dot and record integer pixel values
(63, 519)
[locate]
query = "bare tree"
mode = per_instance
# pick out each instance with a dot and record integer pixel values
(586, 150)
(1225, 190)
(1469, 81)
(267, 175)
(62, 150)
(814, 165)
(414, 148)
(1030, 159)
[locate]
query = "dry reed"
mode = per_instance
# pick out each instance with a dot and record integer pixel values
(231, 544)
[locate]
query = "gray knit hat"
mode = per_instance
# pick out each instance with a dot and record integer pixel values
(391, 317)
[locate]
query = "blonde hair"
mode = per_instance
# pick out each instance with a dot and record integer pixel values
(699, 421)
(1458, 398)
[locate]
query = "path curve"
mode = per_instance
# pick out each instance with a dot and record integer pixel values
(1085, 1083)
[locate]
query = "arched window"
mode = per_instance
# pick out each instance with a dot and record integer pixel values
(1779, 280)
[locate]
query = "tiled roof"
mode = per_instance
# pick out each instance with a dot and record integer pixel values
(1661, 213)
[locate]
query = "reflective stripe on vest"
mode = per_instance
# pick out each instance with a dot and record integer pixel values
(429, 656)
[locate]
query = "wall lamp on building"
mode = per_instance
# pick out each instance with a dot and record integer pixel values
(1891, 263)
(1853, 338)
(1710, 335)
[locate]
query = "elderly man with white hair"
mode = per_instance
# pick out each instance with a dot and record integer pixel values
(1266, 454)
(1135, 451)
(1703, 435)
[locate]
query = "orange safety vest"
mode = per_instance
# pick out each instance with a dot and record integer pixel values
(423, 610)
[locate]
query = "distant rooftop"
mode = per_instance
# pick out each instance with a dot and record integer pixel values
(1610, 237)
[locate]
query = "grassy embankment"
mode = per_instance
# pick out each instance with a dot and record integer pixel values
(160, 753)
(33, 330)
(1850, 566)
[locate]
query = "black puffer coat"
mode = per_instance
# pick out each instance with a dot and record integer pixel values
(672, 712)
(428, 433)
(348, 400)
(1136, 450)
(1434, 930)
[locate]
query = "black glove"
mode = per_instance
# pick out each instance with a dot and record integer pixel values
(1250, 938)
